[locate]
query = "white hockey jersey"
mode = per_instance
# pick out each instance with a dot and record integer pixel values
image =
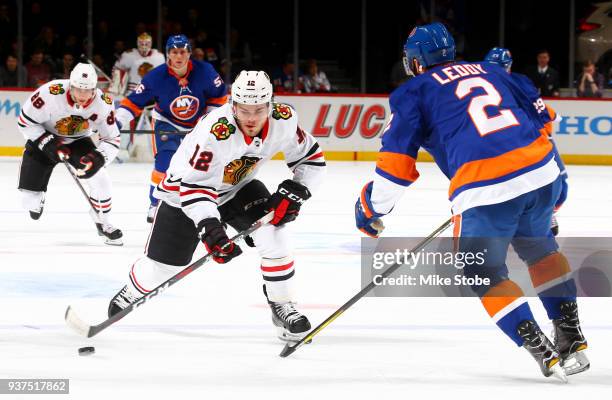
(216, 160)
(51, 109)
(136, 66)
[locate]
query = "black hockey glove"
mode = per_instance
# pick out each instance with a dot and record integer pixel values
(89, 164)
(286, 201)
(216, 241)
(52, 146)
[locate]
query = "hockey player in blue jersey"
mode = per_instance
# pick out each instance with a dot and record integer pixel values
(483, 133)
(503, 57)
(183, 90)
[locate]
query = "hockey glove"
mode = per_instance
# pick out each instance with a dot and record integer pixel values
(367, 220)
(52, 146)
(216, 241)
(286, 201)
(89, 164)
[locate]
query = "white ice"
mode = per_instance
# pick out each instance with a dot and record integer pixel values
(210, 335)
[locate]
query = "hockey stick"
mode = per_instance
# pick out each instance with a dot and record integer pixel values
(79, 326)
(150, 132)
(76, 179)
(289, 349)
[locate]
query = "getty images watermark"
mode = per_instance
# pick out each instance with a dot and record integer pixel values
(448, 267)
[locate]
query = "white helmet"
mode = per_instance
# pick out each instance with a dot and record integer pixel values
(252, 87)
(83, 76)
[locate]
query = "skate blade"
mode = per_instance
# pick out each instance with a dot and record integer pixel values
(576, 363)
(558, 372)
(287, 336)
(113, 242)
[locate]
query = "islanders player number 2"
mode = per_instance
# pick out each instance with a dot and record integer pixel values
(485, 124)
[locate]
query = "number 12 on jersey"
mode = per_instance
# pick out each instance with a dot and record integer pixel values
(201, 160)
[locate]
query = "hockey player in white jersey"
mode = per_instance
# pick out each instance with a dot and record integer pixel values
(58, 121)
(212, 180)
(133, 65)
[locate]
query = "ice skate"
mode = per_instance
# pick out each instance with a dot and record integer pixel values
(569, 340)
(37, 212)
(151, 213)
(121, 300)
(291, 324)
(554, 225)
(111, 234)
(541, 349)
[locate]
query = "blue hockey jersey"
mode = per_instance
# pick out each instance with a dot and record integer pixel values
(180, 101)
(481, 128)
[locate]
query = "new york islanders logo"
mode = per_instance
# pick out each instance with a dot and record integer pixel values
(57, 89)
(185, 107)
(222, 129)
(107, 99)
(281, 111)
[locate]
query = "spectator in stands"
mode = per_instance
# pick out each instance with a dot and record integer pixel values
(544, 77)
(198, 54)
(72, 45)
(241, 57)
(212, 49)
(315, 81)
(282, 78)
(118, 49)
(48, 43)
(9, 71)
(64, 67)
(398, 72)
(39, 72)
(590, 82)
(8, 29)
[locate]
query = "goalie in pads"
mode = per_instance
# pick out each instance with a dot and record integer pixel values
(211, 178)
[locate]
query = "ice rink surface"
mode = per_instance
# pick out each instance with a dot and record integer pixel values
(210, 335)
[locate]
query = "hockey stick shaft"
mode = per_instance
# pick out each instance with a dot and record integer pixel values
(91, 330)
(289, 349)
(76, 180)
(151, 132)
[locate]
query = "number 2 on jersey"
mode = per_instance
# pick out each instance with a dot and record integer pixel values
(485, 124)
(203, 159)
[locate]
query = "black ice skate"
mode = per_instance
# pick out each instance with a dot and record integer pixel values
(541, 349)
(35, 214)
(151, 213)
(291, 324)
(121, 300)
(111, 234)
(554, 225)
(569, 339)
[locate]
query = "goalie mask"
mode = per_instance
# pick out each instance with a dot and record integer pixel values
(144, 43)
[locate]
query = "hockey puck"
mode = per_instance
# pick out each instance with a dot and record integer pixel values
(86, 351)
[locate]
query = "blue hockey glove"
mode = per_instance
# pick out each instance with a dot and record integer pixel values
(367, 220)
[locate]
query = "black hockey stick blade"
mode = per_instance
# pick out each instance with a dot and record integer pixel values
(290, 349)
(82, 328)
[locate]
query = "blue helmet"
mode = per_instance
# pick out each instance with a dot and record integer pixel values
(178, 42)
(430, 45)
(501, 56)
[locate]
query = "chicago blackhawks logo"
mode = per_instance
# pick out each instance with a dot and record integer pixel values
(236, 170)
(281, 111)
(58, 88)
(144, 68)
(222, 129)
(185, 107)
(71, 125)
(107, 99)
